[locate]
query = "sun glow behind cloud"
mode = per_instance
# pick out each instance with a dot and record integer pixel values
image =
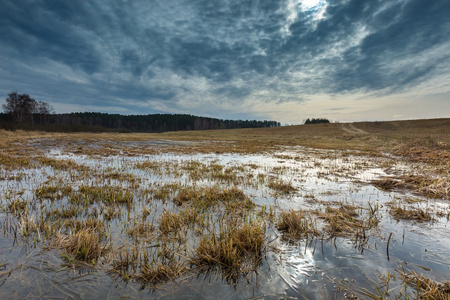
(310, 4)
(315, 9)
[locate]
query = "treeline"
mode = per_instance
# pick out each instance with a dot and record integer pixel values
(152, 123)
(316, 121)
(99, 122)
(23, 112)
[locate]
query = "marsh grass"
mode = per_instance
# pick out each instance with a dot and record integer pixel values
(281, 187)
(170, 222)
(83, 245)
(119, 176)
(296, 225)
(404, 213)
(149, 265)
(236, 249)
(426, 185)
(397, 285)
(345, 221)
(63, 212)
(438, 187)
(342, 221)
(155, 166)
(140, 230)
(193, 215)
(233, 198)
(425, 287)
(11, 161)
(18, 207)
(159, 272)
(188, 195)
(75, 225)
(62, 165)
(53, 192)
(164, 192)
(104, 194)
(110, 212)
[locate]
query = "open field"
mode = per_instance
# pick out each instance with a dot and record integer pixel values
(320, 211)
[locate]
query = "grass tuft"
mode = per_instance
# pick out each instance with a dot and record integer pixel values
(416, 214)
(235, 249)
(296, 225)
(84, 245)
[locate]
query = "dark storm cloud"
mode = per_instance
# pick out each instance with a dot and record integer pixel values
(401, 31)
(165, 54)
(33, 31)
(395, 32)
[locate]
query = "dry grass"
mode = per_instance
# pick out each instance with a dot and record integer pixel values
(427, 288)
(18, 206)
(212, 225)
(170, 222)
(282, 187)
(64, 165)
(429, 186)
(420, 140)
(232, 198)
(158, 272)
(342, 221)
(296, 225)
(84, 245)
(93, 224)
(142, 230)
(235, 249)
(345, 221)
(416, 214)
(53, 192)
(105, 194)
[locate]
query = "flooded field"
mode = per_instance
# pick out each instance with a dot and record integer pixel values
(108, 219)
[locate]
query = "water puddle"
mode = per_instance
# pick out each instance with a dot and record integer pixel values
(67, 184)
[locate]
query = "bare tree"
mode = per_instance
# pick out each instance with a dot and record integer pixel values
(20, 106)
(23, 108)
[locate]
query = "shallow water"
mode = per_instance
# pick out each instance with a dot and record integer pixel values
(316, 268)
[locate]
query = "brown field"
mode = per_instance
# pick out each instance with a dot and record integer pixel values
(227, 208)
(412, 138)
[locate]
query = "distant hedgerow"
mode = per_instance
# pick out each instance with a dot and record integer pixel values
(316, 121)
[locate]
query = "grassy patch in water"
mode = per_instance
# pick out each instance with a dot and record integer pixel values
(235, 249)
(296, 225)
(404, 213)
(83, 245)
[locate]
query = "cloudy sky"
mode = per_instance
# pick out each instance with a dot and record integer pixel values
(283, 60)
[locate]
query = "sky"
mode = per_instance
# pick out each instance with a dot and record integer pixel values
(282, 60)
